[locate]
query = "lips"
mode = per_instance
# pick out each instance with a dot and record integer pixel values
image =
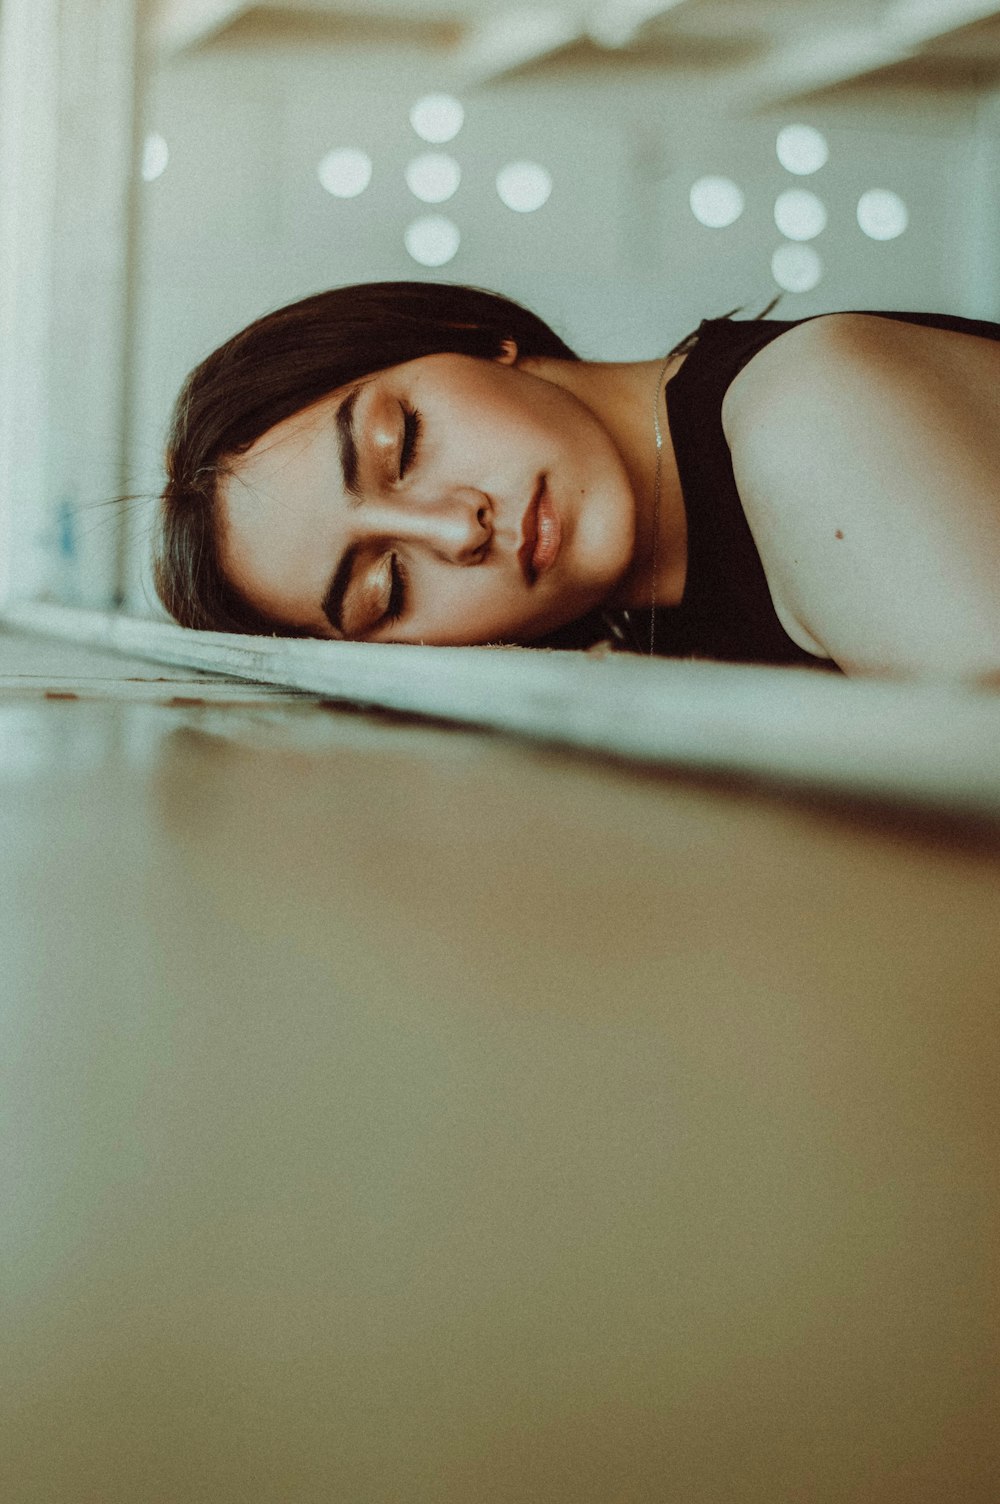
(541, 533)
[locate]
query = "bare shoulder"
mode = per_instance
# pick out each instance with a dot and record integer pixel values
(867, 343)
(867, 456)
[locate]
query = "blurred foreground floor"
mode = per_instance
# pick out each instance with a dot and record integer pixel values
(401, 1115)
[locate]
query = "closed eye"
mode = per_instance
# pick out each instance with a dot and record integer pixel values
(397, 593)
(412, 430)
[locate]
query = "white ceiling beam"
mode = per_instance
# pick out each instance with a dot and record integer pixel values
(934, 18)
(177, 25)
(513, 38)
(616, 23)
(837, 57)
(522, 35)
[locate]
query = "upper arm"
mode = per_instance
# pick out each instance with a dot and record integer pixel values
(868, 462)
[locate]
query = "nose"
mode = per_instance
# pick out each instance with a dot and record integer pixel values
(454, 525)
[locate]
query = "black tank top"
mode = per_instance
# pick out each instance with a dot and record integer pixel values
(726, 611)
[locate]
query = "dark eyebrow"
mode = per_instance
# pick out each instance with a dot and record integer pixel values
(346, 441)
(332, 605)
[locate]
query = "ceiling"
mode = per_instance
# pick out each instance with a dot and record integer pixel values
(768, 51)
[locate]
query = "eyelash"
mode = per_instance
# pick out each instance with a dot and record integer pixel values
(412, 430)
(397, 592)
(413, 427)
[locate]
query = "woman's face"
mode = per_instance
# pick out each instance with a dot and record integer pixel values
(445, 500)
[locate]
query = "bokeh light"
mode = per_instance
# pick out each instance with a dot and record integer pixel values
(801, 149)
(799, 214)
(437, 118)
(524, 186)
(345, 172)
(882, 214)
(433, 177)
(432, 240)
(716, 202)
(796, 268)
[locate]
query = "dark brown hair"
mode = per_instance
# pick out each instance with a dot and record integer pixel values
(283, 363)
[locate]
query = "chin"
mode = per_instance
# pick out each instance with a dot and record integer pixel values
(609, 552)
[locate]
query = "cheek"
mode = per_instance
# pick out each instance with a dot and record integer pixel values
(480, 608)
(605, 535)
(462, 604)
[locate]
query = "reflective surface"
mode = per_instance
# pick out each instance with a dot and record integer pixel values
(395, 1113)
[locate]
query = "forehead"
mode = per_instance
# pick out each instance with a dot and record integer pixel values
(289, 448)
(270, 497)
(278, 447)
(309, 435)
(300, 450)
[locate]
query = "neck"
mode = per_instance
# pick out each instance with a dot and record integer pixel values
(621, 395)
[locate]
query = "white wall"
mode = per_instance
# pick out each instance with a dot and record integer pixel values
(28, 105)
(239, 222)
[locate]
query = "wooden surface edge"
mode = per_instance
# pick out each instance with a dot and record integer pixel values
(928, 744)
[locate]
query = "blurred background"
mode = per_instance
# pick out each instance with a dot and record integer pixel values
(170, 170)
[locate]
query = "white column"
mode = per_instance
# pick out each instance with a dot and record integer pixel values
(28, 111)
(68, 110)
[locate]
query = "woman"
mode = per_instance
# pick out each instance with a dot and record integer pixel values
(427, 463)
